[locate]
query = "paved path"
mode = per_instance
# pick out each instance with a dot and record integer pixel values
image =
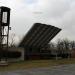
(57, 70)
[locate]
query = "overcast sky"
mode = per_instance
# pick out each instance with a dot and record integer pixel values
(59, 13)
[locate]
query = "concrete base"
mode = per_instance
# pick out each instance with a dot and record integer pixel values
(3, 63)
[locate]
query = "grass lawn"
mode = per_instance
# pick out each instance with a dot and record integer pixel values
(36, 64)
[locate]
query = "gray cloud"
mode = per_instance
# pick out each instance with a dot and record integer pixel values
(60, 13)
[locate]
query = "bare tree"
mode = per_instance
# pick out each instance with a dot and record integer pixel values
(60, 44)
(66, 44)
(72, 45)
(12, 40)
(63, 44)
(63, 47)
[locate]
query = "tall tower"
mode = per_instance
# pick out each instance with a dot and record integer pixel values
(4, 28)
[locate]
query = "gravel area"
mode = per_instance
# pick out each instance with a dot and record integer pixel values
(56, 70)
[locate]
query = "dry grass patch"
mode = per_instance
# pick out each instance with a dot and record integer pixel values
(36, 64)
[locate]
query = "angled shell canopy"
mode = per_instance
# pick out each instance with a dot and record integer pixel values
(39, 35)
